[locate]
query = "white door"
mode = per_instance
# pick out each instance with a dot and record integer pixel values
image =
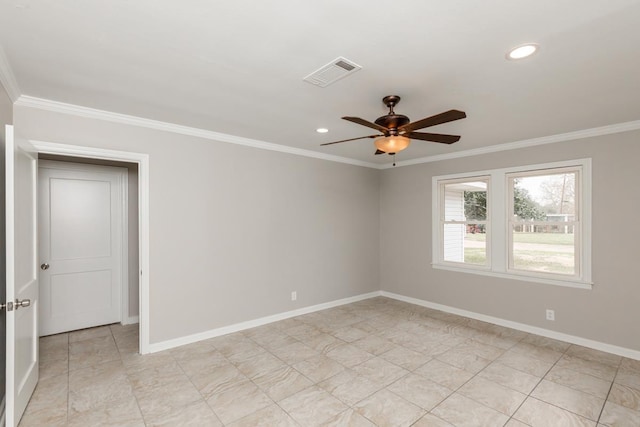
(22, 278)
(81, 236)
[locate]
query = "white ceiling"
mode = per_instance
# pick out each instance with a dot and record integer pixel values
(236, 67)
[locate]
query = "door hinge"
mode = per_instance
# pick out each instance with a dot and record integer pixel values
(8, 306)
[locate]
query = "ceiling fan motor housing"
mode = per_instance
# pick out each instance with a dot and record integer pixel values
(392, 122)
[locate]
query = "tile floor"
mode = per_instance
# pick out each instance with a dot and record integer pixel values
(377, 362)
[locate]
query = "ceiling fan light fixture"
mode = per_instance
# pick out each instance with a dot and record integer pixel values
(522, 51)
(392, 144)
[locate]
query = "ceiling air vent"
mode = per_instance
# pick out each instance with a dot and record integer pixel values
(332, 72)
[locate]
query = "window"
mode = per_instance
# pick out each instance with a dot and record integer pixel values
(530, 223)
(464, 220)
(544, 222)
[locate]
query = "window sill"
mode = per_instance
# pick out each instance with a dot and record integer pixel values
(522, 277)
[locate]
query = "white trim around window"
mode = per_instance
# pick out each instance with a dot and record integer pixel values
(499, 246)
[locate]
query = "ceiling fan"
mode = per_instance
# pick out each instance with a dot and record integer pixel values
(397, 131)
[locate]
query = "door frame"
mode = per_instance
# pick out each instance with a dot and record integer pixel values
(123, 174)
(142, 160)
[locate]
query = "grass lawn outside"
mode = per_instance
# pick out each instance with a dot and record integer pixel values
(544, 252)
(541, 238)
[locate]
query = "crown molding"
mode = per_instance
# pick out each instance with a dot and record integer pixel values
(7, 78)
(92, 113)
(525, 143)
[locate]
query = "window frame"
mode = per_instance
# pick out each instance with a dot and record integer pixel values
(499, 196)
(487, 222)
(576, 223)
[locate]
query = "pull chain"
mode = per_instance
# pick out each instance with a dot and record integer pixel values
(394, 159)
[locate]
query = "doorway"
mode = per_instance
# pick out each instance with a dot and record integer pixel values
(99, 156)
(88, 252)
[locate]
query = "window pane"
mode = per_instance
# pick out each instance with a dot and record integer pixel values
(550, 197)
(545, 248)
(465, 201)
(465, 243)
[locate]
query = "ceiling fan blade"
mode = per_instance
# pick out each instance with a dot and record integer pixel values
(378, 152)
(350, 139)
(433, 137)
(366, 123)
(447, 116)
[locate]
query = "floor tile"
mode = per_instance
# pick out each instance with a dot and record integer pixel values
(378, 358)
(312, 406)
(263, 362)
(350, 334)
(238, 402)
(628, 377)
(509, 377)
(294, 353)
(594, 355)
(444, 374)
(525, 363)
(167, 399)
(625, 396)
(536, 413)
(349, 355)
(493, 395)
(218, 379)
(197, 414)
(318, 368)
(380, 371)
(282, 382)
(85, 334)
(349, 418)
(615, 415)
(124, 412)
(349, 387)
(93, 387)
(198, 363)
(464, 359)
(49, 402)
(567, 398)
(92, 351)
(405, 358)
(595, 369)
(464, 412)
(322, 343)
(420, 391)
(272, 415)
(431, 420)
(549, 343)
(579, 381)
(542, 353)
(374, 344)
(388, 409)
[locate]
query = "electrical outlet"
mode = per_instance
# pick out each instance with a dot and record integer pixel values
(294, 296)
(551, 315)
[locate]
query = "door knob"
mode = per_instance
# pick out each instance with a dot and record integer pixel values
(22, 303)
(44, 266)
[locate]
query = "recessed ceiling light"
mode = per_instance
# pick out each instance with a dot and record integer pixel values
(322, 130)
(522, 51)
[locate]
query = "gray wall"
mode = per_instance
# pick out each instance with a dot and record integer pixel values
(235, 229)
(609, 313)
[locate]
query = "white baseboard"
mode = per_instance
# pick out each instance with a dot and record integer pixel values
(189, 339)
(131, 320)
(597, 345)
